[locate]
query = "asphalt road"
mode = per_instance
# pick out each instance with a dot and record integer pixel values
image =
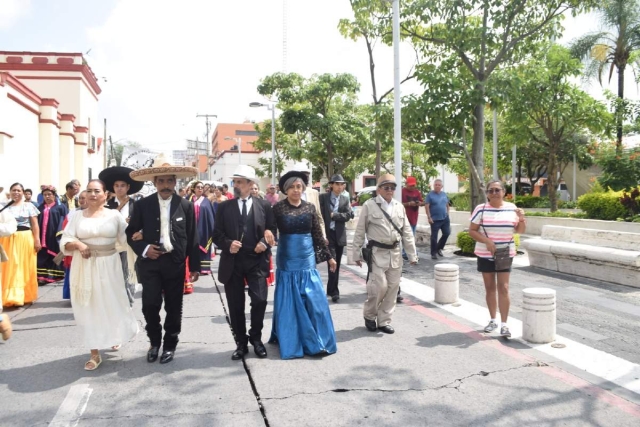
(601, 315)
(437, 369)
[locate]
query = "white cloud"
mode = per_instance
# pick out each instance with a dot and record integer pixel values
(166, 64)
(11, 11)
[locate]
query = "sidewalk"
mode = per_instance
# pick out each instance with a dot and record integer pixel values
(437, 369)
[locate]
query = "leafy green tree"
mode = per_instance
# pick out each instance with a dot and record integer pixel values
(484, 35)
(324, 107)
(553, 112)
(371, 24)
(615, 48)
(620, 170)
(288, 147)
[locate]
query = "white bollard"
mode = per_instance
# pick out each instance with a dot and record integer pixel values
(447, 283)
(539, 315)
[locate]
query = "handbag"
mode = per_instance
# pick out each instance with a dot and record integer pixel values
(502, 255)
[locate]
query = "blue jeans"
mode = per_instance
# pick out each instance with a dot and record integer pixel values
(413, 229)
(443, 225)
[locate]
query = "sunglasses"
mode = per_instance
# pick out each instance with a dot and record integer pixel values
(494, 190)
(199, 186)
(389, 188)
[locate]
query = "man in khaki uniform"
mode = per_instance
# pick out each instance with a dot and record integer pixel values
(385, 239)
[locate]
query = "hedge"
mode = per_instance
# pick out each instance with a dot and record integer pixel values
(604, 205)
(467, 245)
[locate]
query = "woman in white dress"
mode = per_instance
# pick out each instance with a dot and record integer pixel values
(98, 296)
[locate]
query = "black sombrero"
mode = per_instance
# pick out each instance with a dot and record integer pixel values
(120, 173)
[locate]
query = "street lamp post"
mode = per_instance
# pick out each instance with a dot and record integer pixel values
(239, 141)
(271, 107)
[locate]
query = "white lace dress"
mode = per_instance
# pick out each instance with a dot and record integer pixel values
(98, 295)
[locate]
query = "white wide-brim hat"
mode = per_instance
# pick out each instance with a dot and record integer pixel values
(301, 167)
(244, 171)
(162, 167)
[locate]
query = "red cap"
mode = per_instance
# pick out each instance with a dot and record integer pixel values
(411, 180)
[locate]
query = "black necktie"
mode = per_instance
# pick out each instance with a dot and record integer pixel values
(244, 211)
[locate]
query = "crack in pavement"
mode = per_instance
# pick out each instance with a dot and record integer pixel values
(458, 381)
(254, 389)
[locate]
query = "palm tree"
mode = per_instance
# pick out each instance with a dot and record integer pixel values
(614, 49)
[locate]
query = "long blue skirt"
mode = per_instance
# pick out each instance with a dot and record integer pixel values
(66, 290)
(301, 318)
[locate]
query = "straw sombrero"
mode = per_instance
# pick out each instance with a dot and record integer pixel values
(162, 167)
(120, 173)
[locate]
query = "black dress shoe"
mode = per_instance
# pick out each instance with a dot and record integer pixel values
(152, 354)
(399, 298)
(440, 253)
(370, 324)
(434, 256)
(259, 349)
(335, 298)
(167, 356)
(387, 329)
(240, 352)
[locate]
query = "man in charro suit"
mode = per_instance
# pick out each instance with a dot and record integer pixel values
(244, 232)
(169, 235)
(336, 212)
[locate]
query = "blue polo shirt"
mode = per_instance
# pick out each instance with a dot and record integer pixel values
(437, 205)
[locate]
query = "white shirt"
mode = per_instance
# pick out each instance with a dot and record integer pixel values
(249, 200)
(125, 209)
(387, 206)
(160, 201)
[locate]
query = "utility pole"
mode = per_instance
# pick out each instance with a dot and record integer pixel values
(113, 155)
(104, 144)
(208, 124)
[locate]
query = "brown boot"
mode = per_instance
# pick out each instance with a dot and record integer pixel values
(5, 326)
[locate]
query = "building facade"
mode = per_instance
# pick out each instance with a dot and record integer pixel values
(49, 127)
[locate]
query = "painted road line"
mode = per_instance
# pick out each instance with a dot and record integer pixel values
(72, 407)
(609, 367)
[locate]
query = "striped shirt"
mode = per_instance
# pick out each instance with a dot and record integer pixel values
(499, 225)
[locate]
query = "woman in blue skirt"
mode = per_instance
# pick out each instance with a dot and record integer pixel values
(301, 318)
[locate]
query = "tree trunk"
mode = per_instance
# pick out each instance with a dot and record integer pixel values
(620, 114)
(330, 160)
(477, 149)
(552, 182)
(378, 156)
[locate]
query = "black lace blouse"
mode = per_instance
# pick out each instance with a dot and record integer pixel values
(302, 219)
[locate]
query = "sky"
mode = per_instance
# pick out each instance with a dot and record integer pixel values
(161, 63)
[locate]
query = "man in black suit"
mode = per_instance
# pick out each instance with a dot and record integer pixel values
(169, 235)
(243, 231)
(336, 211)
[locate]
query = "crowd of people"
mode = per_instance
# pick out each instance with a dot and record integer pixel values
(103, 242)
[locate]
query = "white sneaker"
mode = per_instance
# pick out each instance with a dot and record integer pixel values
(492, 326)
(504, 331)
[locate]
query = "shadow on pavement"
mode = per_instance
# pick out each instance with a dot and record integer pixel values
(44, 318)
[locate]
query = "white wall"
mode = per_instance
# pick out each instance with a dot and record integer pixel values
(20, 161)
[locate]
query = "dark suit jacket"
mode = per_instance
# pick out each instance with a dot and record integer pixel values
(344, 214)
(225, 231)
(183, 229)
(112, 204)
